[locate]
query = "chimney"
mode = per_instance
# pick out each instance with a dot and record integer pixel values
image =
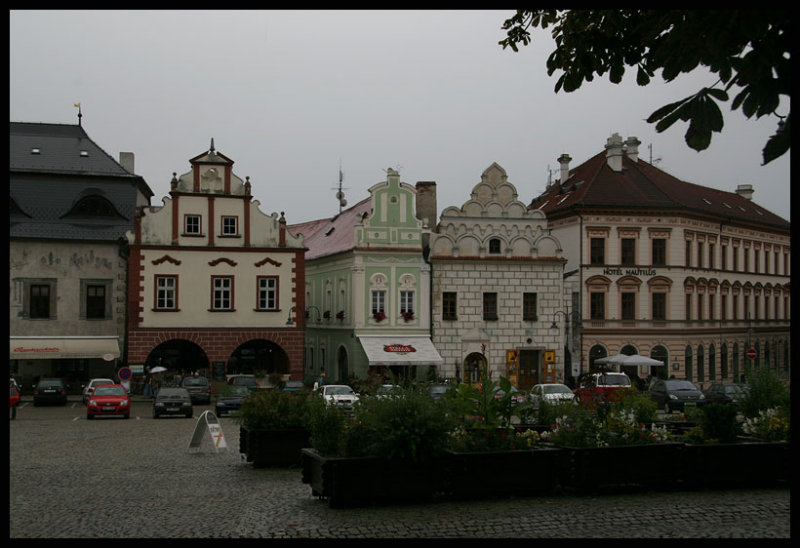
(745, 191)
(126, 161)
(426, 203)
(632, 148)
(564, 160)
(614, 152)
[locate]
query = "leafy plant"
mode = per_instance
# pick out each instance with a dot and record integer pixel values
(327, 425)
(718, 422)
(273, 409)
(764, 391)
(771, 424)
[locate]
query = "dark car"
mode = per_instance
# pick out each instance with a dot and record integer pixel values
(230, 400)
(50, 392)
(199, 389)
(245, 380)
(725, 393)
(676, 395)
(172, 401)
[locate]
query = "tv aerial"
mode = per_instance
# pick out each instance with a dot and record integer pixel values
(340, 190)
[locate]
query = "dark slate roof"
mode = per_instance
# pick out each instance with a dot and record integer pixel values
(45, 186)
(640, 186)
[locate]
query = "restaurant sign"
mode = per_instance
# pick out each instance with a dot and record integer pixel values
(399, 348)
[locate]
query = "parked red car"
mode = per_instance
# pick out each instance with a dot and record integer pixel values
(14, 399)
(602, 386)
(108, 399)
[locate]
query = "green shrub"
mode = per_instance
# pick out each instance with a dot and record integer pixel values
(718, 422)
(764, 391)
(550, 411)
(643, 407)
(273, 409)
(327, 425)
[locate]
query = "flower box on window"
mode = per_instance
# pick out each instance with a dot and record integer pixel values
(327, 314)
(408, 315)
(379, 316)
(340, 315)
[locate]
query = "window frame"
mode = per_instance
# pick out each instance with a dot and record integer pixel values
(449, 305)
(51, 286)
(224, 228)
(86, 287)
(658, 252)
(263, 294)
(597, 251)
(187, 224)
(222, 294)
(530, 306)
(489, 306)
(157, 290)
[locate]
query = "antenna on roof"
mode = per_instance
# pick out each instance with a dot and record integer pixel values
(549, 176)
(339, 193)
(79, 113)
(652, 162)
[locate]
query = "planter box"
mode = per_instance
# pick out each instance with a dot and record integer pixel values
(273, 447)
(645, 466)
(526, 472)
(732, 465)
(358, 481)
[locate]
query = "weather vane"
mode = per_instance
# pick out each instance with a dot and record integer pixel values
(79, 113)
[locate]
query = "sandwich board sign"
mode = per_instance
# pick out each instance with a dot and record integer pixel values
(209, 423)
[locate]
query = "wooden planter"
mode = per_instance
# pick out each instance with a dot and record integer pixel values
(627, 467)
(733, 465)
(358, 481)
(526, 472)
(265, 447)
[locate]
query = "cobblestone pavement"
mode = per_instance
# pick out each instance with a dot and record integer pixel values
(137, 478)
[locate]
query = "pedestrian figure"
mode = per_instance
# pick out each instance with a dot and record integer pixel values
(147, 390)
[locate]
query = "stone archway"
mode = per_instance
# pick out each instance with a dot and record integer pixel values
(258, 357)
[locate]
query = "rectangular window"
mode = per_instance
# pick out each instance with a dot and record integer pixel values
(267, 293)
(378, 302)
(735, 308)
(711, 249)
(723, 307)
(529, 307)
(166, 293)
(39, 301)
(756, 307)
(659, 307)
(490, 306)
(597, 251)
(406, 302)
(711, 304)
(735, 259)
(449, 302)
(628, 251)
(700, 306)
(597, 306)
(700, 255)
(688, 306)
(192, 225)
(230, 226)
(221, 293)
(95, 302)
(746, 254)
(628, 306)
(688, 254)
(659, 252)
(723, 257)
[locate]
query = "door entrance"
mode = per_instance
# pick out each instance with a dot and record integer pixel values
(529, 361)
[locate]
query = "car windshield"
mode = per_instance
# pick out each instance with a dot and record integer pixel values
(733, 389)
(109, 391)
(680, 385)
(172, 393)
(195, 381)
(613, 379)
(101, 381)
(236, 391)
(386, 389)
(556, 389)
(338, 390)
(245, 380)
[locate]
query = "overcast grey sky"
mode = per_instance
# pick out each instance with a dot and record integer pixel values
(288, 95)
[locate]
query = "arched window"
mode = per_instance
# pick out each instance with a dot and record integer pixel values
(723, 362)
(660, 353)
(712, 363)
(494, 245)
(595, 353)
(736, 377)
(701, 364)
(688, 363)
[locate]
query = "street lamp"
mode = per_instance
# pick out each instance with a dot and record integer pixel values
(290, 321)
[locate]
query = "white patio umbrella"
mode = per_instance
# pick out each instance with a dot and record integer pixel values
(158, 369)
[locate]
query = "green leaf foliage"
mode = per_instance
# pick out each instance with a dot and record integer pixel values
(746, 49)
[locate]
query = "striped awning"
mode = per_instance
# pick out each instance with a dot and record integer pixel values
(54, 348)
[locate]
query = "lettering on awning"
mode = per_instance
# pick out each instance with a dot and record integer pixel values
(399, 348)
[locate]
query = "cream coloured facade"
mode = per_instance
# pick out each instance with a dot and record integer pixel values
(498, 286)
(686, 274)
(213, 278)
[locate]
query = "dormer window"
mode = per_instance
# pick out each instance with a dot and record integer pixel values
(35, 151)
(84, 154)
(93, 206)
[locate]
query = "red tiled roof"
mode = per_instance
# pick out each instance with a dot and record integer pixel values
(642, 186)
(329, 236)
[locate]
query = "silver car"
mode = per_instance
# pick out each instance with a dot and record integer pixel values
(340, 395)
(551, 393)
(88, 388)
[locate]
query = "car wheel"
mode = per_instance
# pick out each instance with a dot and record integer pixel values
(89, 416)
(126, 416)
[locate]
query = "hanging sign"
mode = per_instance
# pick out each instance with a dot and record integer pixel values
(399, 348)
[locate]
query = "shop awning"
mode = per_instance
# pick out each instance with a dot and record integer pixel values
(54, 348)
(400, 350)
